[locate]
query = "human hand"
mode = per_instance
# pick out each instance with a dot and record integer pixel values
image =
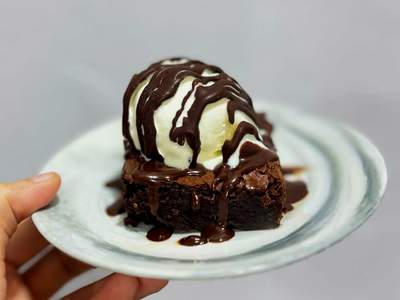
(20, 241)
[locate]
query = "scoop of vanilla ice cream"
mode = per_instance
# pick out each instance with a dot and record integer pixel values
(214, 128)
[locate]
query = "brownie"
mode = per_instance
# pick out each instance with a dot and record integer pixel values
(257, 200)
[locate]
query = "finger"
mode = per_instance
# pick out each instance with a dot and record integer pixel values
(149, 286)
(25, 243)
(15, 286)
(115, 286)
(20, 199)
(51, 272)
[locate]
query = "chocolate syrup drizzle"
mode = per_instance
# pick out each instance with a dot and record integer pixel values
(155, 173)
(163, 82)
(296, 191)
(118, 207)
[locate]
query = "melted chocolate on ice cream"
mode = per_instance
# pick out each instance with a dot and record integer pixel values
(163, 84)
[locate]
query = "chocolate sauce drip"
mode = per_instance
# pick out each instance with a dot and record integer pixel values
(292, 170)
(153, 198)
(230, 146)
(223, 87)
(192, 240)
(118, 207)
(263, 123)
(296, 191)
(251, 157)
(154, 174)
(159, 233)
(217, 233)
(154, 171)
(163, 84)
(116, 184)
(210, 234)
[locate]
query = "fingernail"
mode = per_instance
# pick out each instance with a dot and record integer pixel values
(42, 177)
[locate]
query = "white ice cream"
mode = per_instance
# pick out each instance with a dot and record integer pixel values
(214, 127)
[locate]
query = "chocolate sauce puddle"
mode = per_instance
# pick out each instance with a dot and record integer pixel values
(118, 207)
(159, 233)
(192, 240)
(155, 174)
(210, 234)
(296, 191)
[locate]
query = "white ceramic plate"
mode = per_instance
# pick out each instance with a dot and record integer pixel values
(346, 176)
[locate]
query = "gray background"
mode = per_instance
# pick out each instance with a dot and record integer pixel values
(64, 66)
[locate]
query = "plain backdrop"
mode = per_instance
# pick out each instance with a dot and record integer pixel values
(64, 66)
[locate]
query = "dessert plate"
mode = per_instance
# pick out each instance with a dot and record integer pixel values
(345, 174)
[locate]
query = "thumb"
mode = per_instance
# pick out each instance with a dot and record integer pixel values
(20, 199)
